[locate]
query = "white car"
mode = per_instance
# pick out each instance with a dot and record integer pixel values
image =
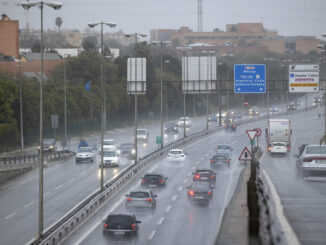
(278, 148)
(85, 154)
(110, 159)
(109, 145)
(142, 135)
(182, 121)
(176, 155)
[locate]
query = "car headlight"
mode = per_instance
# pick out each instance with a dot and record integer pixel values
(51, 147)
(118, 151)
(144, 145)
(133, 151)
(165, 128)
(38, 147)
(175, 127)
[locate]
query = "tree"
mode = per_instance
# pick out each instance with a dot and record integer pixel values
(89, 43)
(58, 22)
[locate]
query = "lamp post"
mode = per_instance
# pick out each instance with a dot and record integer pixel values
(56, 6)
(65, 95)
(268, 61)
(219, 95)
(21, 107)
(136, 99)
(323, 49)
(161, 43)
(166, 94)
(287, 63)
(92, 25)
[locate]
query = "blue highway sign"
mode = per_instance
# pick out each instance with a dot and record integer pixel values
(249, 78)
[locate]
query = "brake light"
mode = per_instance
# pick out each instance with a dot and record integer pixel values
(197, 176)
(269, 148)
(133, 227)
(143, 181)
(129, 199)
(310, 159)
(162, 181)
(289, 148)
(105, 226)
(209, 193)
(212, 161)
(212, 176)
(149, 199)
(227, 160)
(191, 193)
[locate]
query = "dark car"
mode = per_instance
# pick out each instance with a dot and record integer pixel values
(171, 128)
(204, 175)
(230, 126)
(153, 180)
(212, 118)
(200, 192)
(127, 150)
(121, 225)
(316, 101)
(49, 145)
(141, 199)
(220, 158)
(292, 106)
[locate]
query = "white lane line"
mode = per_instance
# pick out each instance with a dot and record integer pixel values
(289, 234)
(10, 215)
(180, 188)
(193, 168)
(160, 221)
(174, 197)
(152, 235)
(46, 194)
(189, 174)
(81, 173)
(28, 204)
(58, 187)
(185, 181)
(197, 163)
(168, 208)
(70, 180)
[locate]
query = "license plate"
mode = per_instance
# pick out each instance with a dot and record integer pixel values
(152, 185)
(118, 232)
(320, 161)
(199, 197)
(204, 177)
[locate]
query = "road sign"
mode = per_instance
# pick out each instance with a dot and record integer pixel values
(136, 75)
(54, 121)
(158, 140)
(245, 155)
(304, 78)
(251, 133)
(246, 103)
(249, 78)
(258, 131)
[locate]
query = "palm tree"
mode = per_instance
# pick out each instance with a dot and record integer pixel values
(58, 22)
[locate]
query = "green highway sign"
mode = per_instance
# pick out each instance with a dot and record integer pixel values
(159, 140)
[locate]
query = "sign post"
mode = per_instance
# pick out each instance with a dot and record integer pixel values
(54, 123)
(304, 78)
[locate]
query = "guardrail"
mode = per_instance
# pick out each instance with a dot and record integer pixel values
(10, 163)
(59, 231)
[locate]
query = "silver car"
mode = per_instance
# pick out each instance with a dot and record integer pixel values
(141, 199)
(311, 160)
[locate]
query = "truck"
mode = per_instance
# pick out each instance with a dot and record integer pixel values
(278, 136)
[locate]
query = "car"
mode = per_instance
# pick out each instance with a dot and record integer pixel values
(311, 160)
(204, 175)
(121, 225)
(316, 101)
(224, 148)
(85, 154)
(153, 180)
(230, 126)
(141, 199)
(176, 155)
(279, 148)
(110, 159)
(109, 145)
(171, 128)
(220, 158)
(273, 110)
(127, 150)
(292, 106)
(142, 135)
(200, 192)
(184, 120)
(237, 114)
(227, 120)
(49, 145)
(253, 111)
(212, 118)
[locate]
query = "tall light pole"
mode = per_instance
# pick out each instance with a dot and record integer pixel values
(287, 63)
(65, 95)
(136, 99)
(161, 43)
(268, 61)
(21, 107)
(92, 25)
(56, 6)
(166, 94)
(219, 95)
(323, 49)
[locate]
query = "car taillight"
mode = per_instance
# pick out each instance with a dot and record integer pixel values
(129, 199)
(149, 199)
(162, 181)
(289, 148)
(209, 193)
(269, 148)
(212, 176)
(197, 176)
(105, 226)
(227, 160)
(133, 227)
(143, 181)
(308, 159)
(191, 193)
(212, 161)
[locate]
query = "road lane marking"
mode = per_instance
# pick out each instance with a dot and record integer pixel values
(180, 188)
(71, 179)
(189, 174)
(10, 215)
(58, 187)
(185, 181)
(193, 168)
(152, 235)
(174, 197)
(81, 173)
(160, 221)
(197, 163)
(168, 208)
(28, 204)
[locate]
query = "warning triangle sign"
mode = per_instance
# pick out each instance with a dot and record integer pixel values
(245, 155)
(251, 134)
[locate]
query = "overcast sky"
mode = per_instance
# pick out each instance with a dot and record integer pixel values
(288, 17)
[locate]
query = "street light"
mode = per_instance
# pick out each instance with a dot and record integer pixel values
(136, 99)
(287, 62)
(322, 48)
(56, 6)
(166, 93)
(21, 106)
(268, 60)
(161, 43)
(92, 25)
(219, 94)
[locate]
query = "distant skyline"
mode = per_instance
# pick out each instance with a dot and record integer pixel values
(288, 17)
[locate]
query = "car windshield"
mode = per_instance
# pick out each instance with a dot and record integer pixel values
(116, 220)
(108, 142)
(174, 152)
(126, 146)
(220, 157)
(171, 125)
(85, 149)
(48, 142)
(152, 177)
(316, 149)
(201, 186)
(141, 131)
(109, 154)
(139, 194)
(204, 172)
(223, 147)
(278, 144)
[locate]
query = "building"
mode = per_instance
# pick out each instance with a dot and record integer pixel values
(9, 36)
